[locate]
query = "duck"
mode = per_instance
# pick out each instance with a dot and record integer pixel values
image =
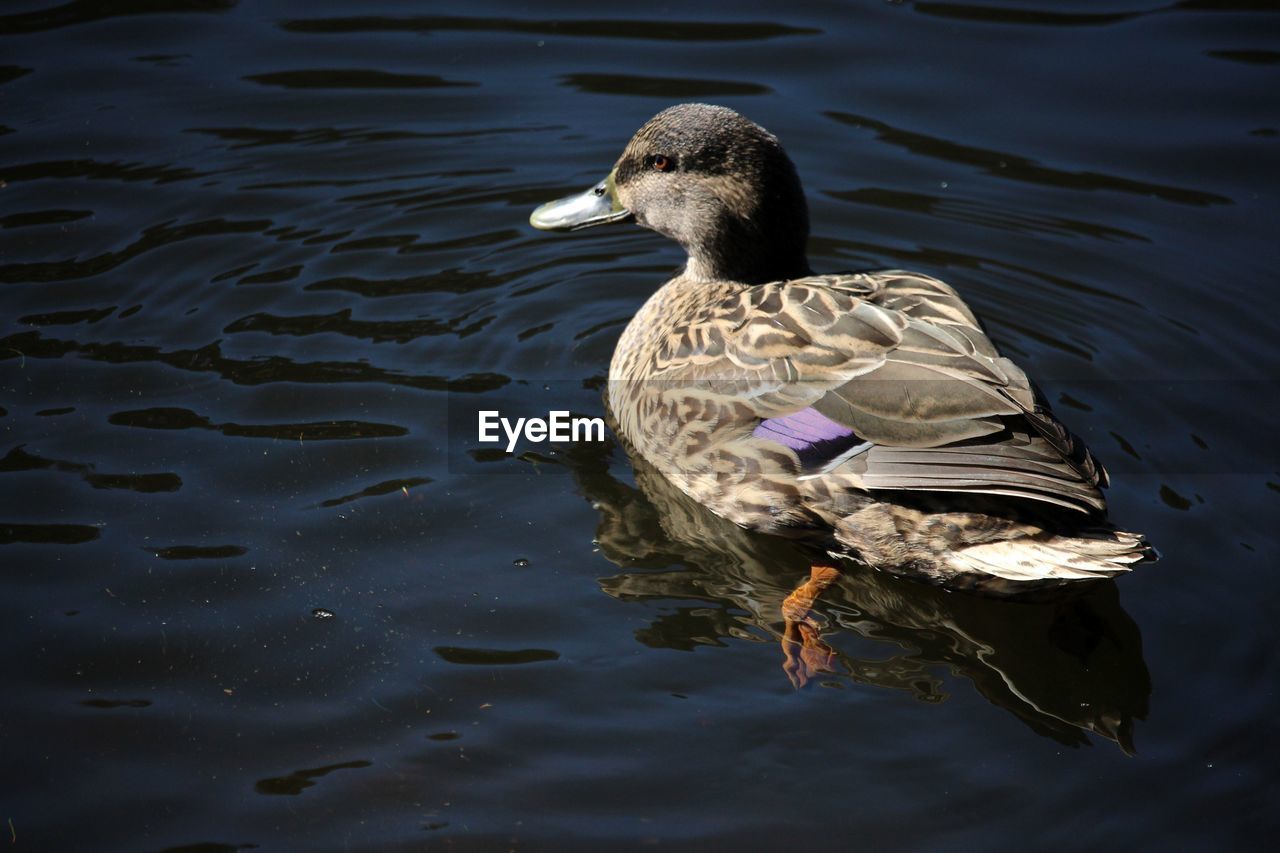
(867, 411)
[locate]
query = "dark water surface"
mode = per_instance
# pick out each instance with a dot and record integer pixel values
(257, 593)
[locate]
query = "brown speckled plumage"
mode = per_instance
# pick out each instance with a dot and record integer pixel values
(961, 471)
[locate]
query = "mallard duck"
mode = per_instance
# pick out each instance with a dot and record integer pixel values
(865, 410)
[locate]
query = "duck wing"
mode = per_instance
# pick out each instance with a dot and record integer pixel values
(886, 378)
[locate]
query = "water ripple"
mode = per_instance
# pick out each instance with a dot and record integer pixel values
(299, 780)
(9, 73)
(968, 210)
(340, 322)
(377, 490)
(86, 11)
(68, 318)
(43, 217)
(660, 30)
(494, 657)
(18, 459)
(253, 137)
(97, 170)
(176, 418)
(255, 371)
(200, 552)
(1019, 15)
(47, 534)
(1014, 167)
(1247, 57)
(660, 87)
(152, 238)
(353, 78)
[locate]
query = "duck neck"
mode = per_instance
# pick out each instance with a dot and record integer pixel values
(758, 242)
(746, 269)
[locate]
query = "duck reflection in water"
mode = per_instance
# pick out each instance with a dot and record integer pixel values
(1065, 663)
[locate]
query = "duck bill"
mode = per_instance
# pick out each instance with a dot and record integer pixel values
(597, 206)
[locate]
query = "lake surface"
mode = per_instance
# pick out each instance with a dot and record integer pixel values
(263, 588)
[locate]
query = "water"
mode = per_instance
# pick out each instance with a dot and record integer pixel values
(261, 588)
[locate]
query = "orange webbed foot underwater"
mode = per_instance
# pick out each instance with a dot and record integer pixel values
(804, 652)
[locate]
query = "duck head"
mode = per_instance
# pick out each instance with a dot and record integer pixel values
(718, 184)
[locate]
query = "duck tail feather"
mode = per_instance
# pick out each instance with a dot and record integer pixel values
(1087, 556)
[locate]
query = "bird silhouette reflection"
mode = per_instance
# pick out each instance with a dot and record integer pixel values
(1065, 662)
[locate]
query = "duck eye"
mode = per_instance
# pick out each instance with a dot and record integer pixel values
(663, 163)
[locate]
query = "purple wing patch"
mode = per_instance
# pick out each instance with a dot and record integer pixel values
(815, 438)
(801, 429)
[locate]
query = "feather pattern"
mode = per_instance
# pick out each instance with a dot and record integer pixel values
(893, 358)
(787, 406)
